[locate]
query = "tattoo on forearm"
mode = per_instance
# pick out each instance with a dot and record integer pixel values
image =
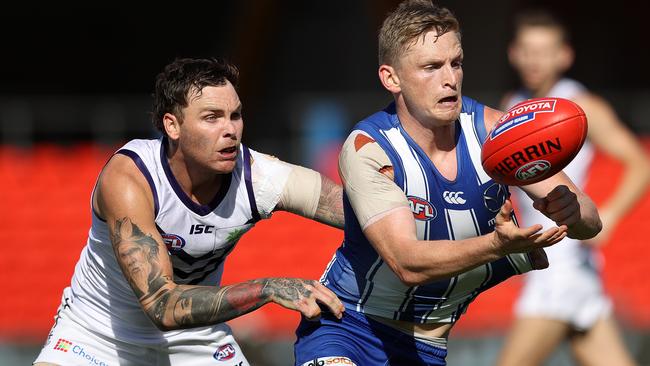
(174, 306)
(330, 203)
(288, 289)
(208, 305)
(137, 253)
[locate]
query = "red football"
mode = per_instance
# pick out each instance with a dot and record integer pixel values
(534, 140)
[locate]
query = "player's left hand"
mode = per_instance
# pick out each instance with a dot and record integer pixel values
(560, 205)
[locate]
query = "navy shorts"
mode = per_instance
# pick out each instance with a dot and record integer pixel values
(361, 340)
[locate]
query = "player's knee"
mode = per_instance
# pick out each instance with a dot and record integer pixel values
(330, 360)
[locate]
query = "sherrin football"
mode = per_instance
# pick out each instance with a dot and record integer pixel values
(534, 140)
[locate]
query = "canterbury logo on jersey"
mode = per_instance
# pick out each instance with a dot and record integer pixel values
(455, 198)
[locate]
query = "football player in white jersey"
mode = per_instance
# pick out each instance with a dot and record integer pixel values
(426, 230)
(567, 301)
(165, 214)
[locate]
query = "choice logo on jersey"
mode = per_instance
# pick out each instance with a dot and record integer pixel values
(62, 345)
(522, 114)
(173, 242)
(422, 209)
(225, 352)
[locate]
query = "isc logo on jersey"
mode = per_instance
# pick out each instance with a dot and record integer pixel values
(522, 114)
(422, 209)
(173, 242)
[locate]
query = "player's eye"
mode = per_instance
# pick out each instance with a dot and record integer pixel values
(431, 67)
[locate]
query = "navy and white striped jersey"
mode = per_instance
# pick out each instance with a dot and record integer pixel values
(442, 209)
(198, 237)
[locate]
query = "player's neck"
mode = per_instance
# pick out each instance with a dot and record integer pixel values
(437, 140)
(434, 137)
(198, 183)
(544, 89)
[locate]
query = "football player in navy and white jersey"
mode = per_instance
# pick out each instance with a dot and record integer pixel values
(568, 301)
(165, 214)
(426, 229)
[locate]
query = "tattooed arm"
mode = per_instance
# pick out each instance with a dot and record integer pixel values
(330, 203)
(124, 200)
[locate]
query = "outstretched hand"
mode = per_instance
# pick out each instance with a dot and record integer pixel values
(304, 296)
(509, 238)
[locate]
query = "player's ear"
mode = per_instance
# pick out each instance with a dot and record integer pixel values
(566, 55)
(389, 78)
(172, 126)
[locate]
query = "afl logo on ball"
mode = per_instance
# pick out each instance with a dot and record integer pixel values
(224, 353)
(173, 242)
(422, 209)
(534, 169)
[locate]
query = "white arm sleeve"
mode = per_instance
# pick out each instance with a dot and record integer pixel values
(269, 177)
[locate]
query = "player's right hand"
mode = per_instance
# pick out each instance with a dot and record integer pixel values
(509, 238)
(304, 296)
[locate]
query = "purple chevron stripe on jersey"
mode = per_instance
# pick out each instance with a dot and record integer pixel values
(143, 169)
(249, 184)
(187, 201)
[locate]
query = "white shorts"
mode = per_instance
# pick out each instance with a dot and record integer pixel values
(70, 343)
(571, 294)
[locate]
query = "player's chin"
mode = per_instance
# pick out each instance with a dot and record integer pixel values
(224, 166)
(447, 113)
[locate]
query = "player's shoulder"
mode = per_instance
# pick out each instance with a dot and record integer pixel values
(121, 172)
(360, 147)
(261, 161)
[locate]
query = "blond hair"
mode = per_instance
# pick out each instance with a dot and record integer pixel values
(408, 22)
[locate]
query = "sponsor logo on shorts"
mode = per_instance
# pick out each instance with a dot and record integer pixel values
(225, 352)
(173, 242)
(62, 345)
(422, 209)
(331, 360)
(65, 346)
(522, 114)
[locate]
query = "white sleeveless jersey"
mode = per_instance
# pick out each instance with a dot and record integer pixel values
(569, 252)
(198, 238)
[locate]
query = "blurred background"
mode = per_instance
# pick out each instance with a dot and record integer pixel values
(75, 84)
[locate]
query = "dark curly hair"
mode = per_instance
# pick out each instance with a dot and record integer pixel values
(183, 77)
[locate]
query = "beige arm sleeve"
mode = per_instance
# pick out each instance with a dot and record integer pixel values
(301, 192)
(366, 171)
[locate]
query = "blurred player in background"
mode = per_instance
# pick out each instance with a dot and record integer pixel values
(567, 300)
(165, 214)
(426, 230)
